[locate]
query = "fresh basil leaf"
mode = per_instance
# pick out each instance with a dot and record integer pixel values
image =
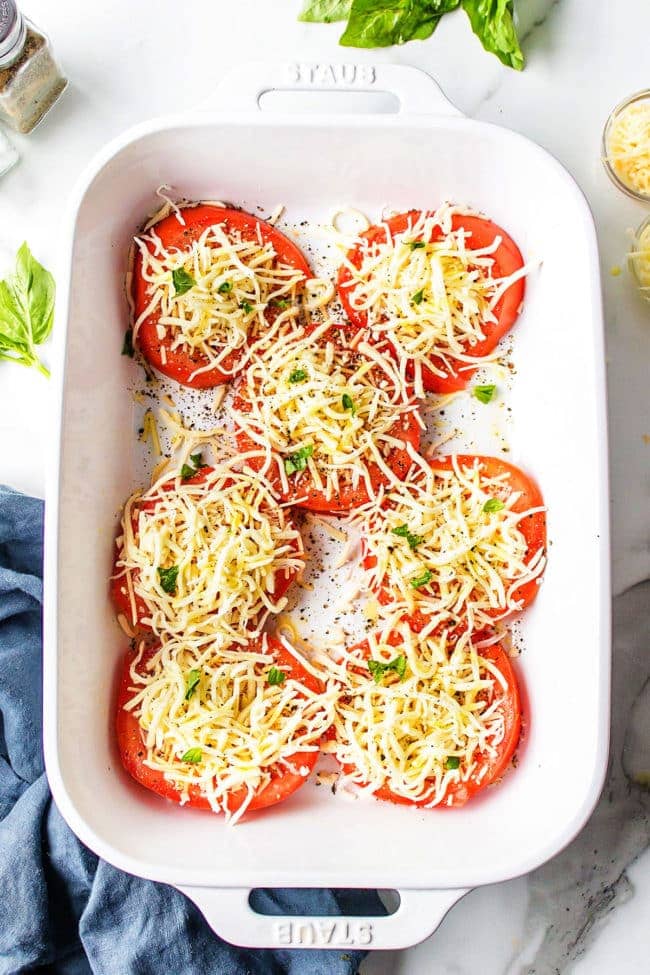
(416, 245)
(168, 579)
(484, 393)
(348, 403)
(452, 762)
(26, 310)
(191, 683)
(193, 756)
(182, 280)
(492, 22)
(422, 580)
(298, 376)
(418, 297)
(403, 532)
(197, 460)
(225, 288)
(281, 303)
(325, 11)
(493, 504)
(127, 345)
(298, 461)
(378, 668)
(246, 307)
(380, 23)
(276, 676)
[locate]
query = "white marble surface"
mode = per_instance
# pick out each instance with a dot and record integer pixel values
(586, 912)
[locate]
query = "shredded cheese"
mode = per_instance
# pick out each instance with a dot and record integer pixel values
(234, 728)
(401, 732)
(205, 558)
(628, 146)
(338, 406)
(640, 259)
(433, 528)
(433, 300)
(228, 284)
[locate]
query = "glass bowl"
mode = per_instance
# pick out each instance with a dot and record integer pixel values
(614, 115)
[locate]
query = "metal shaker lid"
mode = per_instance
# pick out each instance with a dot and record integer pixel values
(12, 29)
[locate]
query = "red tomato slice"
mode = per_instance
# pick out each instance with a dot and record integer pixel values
(507, 259)
(533, 527)
(118, 586)
(301, 490)
(133, 752)
(495, 766)
(179, 364)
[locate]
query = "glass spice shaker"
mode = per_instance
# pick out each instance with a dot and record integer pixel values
(30, 79)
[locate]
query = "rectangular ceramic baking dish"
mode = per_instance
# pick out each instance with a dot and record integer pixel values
(418, 156)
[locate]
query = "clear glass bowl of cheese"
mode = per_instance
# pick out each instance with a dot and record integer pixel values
(626, 146)
(639, 258)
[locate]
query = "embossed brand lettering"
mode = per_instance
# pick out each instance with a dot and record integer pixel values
(331, 75)
(323, 932)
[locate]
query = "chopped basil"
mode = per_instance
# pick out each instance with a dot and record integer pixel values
(452, 762)
(281, 303)
(418, 297)
(416, 245)
(276, 676)
(403, 532)
(127, 345)
(193, 756)
(378, 668)
(168, 579)
(188, 470)
(246, 307)
(298, 376)
(484, 393)
(492, 505)
(191, 683)
(348, 403)
(422, 580)
(298, 461)
(183, 281)
(225, 288)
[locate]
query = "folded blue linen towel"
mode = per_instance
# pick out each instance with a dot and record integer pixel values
(61, 908)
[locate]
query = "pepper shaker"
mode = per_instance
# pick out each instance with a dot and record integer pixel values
(30, 79)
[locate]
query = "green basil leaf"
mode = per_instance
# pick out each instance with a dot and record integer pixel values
(484, 393)
(193, 756)
(403, 532)
(298, 376)
(26, 310)
(246, 307)
(378, 668)
(191, 683)
(493, 504)
(324, 11)
(127, 345)
(492, 22)
(422, 580)
(168, 579)
(380, 23)
(298, 461)
(418, 297)
(182, 280)
(225, 288)
(416, 245)
(452, 762)
(348, 403)
(276, 676)
(187, 472)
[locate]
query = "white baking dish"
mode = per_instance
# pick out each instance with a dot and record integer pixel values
(418, 157)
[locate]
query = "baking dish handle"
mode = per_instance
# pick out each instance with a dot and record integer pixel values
(229, 914)
(242, 87)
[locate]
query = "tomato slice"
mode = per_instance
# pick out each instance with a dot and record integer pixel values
(533, 527)
(179, 364)
(132, 750)
(489, 767)
(119, 591)
(301, 491)
(507, 259)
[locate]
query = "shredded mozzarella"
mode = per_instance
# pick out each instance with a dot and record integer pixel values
(434, 527)
(628, 146)
(401, 732)
(225, 541)
(235, 282)
(640, 259)
(431, 301)
(242, 728)
(340, 405)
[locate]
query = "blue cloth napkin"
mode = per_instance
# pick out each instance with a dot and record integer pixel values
(61, 908)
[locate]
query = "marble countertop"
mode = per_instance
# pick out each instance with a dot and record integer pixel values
(586, 911)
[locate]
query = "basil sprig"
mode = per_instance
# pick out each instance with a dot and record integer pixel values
(378, 668)
(26, 311)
